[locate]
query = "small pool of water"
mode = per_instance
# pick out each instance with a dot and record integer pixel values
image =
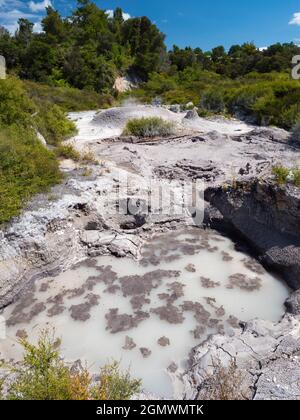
(148, 314)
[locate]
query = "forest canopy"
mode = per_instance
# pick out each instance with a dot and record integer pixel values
(88, 49)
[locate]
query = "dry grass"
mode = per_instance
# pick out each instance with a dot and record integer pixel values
(226, 383)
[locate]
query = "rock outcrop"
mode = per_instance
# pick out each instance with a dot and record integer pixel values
(2, 67)
(268, 355)
(267, 217)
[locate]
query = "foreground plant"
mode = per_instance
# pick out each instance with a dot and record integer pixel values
(43, 375)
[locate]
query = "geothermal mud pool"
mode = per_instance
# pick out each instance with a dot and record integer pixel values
(150, 313)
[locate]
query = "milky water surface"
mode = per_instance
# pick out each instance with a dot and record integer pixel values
(148, 314)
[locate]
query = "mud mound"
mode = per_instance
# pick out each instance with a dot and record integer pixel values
(118, 117)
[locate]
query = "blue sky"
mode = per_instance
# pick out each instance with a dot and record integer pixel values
(203, 23)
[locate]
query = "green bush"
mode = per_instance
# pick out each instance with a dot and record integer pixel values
(53, 124)
(15, 106)
(213, 100)
(43, 375)
(67, 151)
(26, 168)
(284, 175)
(67, 98)
(296, 173)
(281, 173)
(269, 99)
(149, 127)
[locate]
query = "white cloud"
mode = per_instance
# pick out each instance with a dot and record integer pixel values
(9, 19)
(295, 20)
(262, 48)
(110, 14)
(15, 15)
(39, 6)
(38, 27)
(8, 4)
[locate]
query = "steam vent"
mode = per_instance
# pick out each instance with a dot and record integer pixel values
(2, 67)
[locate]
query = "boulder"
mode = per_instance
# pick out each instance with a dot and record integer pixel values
(192, 114)
(2, 67)
(292, 304)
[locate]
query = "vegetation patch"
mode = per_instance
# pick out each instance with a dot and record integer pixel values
(149, 127)
(27, 167)
(43, 375)
(285, 175)
(67, 151)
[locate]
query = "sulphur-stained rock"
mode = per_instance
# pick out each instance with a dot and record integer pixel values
(145, 352)
(163, 341)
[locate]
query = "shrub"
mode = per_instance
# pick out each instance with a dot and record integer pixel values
(281, 173)
(226, 383)
(43, 375)
(15, 106)
(26, 168)
(67, 98)
(296, 173)
(149, 127)
(213, 100)
(284, 175)
(53, 124)
(115, 385)
(67, 151)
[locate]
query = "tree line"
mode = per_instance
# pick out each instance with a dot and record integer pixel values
(88, 49)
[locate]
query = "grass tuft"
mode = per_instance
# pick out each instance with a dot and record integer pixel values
(149, 127)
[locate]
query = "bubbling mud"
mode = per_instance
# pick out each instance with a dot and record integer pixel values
(148, 314)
